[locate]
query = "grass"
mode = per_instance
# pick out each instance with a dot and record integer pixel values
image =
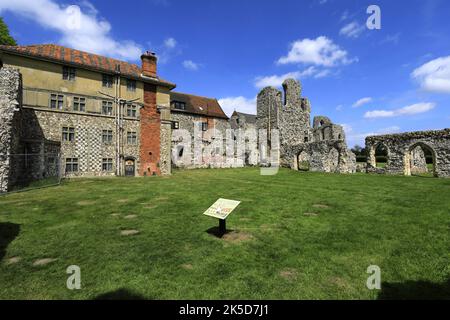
(296, 236)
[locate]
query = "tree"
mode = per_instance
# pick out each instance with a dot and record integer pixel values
(357, 150)
(5, 37)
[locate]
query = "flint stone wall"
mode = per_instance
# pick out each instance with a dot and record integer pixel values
(401, 146)
(322, 146)
(10, 103)
(323, 156)
(213, 142)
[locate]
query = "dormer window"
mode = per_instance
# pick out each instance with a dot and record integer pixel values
(69, 73)
(178, 105)
(107, 81)
(131, 85)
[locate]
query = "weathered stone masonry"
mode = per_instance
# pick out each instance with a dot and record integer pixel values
(318, 148)
(401, 148)
(10, 101)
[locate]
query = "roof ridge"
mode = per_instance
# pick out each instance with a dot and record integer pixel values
(194, 95)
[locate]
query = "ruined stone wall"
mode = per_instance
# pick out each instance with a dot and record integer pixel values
(320, 148)
(213, 141)
(10, 104)
(322, 156)
(246, 138)
(400, 149)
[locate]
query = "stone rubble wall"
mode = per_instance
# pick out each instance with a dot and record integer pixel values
(400, 148)
(322, 146)
(10, 103)
(213, 141)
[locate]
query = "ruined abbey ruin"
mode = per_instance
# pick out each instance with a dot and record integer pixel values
(406, 152)
(320, 147)
(64, 114)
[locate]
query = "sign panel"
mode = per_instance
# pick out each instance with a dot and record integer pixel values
(221, 208)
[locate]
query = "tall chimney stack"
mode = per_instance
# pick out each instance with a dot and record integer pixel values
(149, 60)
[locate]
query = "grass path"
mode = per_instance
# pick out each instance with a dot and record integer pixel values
(296, 236)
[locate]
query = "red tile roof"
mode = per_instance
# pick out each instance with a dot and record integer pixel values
(209, 107)
(82, 59)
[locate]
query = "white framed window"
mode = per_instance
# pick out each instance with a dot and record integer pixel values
(56, 101)
(79, 104)
(107, 108)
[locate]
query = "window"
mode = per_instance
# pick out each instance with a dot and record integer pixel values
(306, 139)
(68, 134)
(204, 126)
(131, 110)
(179, 105)
(107, 81)
(56, 101)
(107, 164)
(131, 85)
(107, 136)
(79, 104)
(71, 165)
(107, 108)
(175, 125)
(131, 137)
(69, 73)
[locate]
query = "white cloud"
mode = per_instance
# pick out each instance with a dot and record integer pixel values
(394, 38)
(434, 76)
(345, 15)
(320, 52)
(362, 102)
(405, 111)
(168, 50)
(191, 65)
(274, 80)
(79, 28)
(170, 43)
(240, 104)
(355, 138)
(277, 80)
(352, 30)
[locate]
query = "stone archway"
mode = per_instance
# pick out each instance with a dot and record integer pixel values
(420, 158)
(379, 156)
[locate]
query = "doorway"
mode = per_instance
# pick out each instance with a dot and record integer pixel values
(130, 168)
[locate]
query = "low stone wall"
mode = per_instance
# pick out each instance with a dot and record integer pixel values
(402, 147)
(10, 102)
(321, 156)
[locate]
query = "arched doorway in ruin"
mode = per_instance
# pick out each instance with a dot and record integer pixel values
(379, 156)
(420, 160)
(303, 161)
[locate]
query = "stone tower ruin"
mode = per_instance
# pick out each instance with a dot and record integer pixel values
(320, 147)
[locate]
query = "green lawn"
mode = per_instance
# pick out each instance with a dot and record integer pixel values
(296, 235)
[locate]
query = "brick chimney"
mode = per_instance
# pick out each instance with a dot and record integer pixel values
(149, 60)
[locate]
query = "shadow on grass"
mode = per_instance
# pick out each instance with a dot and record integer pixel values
(415, 290)
(8, 232)
(216, 232)
(120, 294)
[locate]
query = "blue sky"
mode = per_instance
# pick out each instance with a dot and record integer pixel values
(372, 81)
